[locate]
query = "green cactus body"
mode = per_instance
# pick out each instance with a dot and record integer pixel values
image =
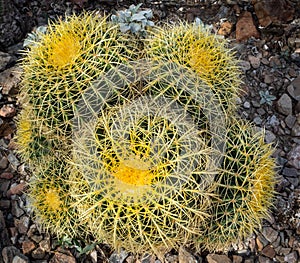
(146, 167)
(194, 47)
(34, 141)
(245, 188)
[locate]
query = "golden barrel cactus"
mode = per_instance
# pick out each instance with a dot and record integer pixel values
(245, 187)
(196, 48)
(147, 168)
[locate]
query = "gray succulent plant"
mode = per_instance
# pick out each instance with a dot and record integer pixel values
(134, 20)
(266, 97)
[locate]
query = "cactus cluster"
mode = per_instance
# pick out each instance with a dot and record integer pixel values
(136, 144)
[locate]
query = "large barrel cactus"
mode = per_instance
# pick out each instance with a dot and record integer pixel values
(140, 148)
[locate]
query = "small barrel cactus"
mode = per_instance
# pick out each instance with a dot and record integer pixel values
(245, 187)
(194, 47)
(49, 198)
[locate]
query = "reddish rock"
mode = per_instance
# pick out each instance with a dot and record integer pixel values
(214, 258)
(7, 111)
(16, 190)
(245, 27)
(269, 11)
(269, 251)
(62, 258)
(27, 247)
(225, 28)
(6, 176)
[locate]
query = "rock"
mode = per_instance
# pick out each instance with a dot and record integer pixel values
(254, 61)
(294, 89)
(15, 209)
(247, 105)
(3, 162)
(244, 65)
(5, 128)
(4, 204)
(269, 11)
(45, 245)
(184, 256)
(294, 157)
(8, 253)
(4, 235)
(4, 187)
(6, 175)
(118, 257)
(269, 137)
(22, 224)
(37, 238)
(290, 121)
(262, 259)
(268, 79)
(292, 257)
(284, 251)
(237, 259)
(4, 60)
(13, 160)
(269, 233)
(170, 258)
(284, 105)
(62, 258)
(296, 130)
(18, 259)
(257, 120)
(214, 258)
(245, 27)
(290, 172)
(225, 28)
(268, 251)
(38, 253)
(10, 79)
(27, 246)
(16, 189)
(7, 111)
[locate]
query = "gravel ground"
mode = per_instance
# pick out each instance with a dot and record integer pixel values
(266, 36)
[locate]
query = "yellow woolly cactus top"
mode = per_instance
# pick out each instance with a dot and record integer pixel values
(25, 129)
(134, 172)
(64, 50)
(52, 199)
